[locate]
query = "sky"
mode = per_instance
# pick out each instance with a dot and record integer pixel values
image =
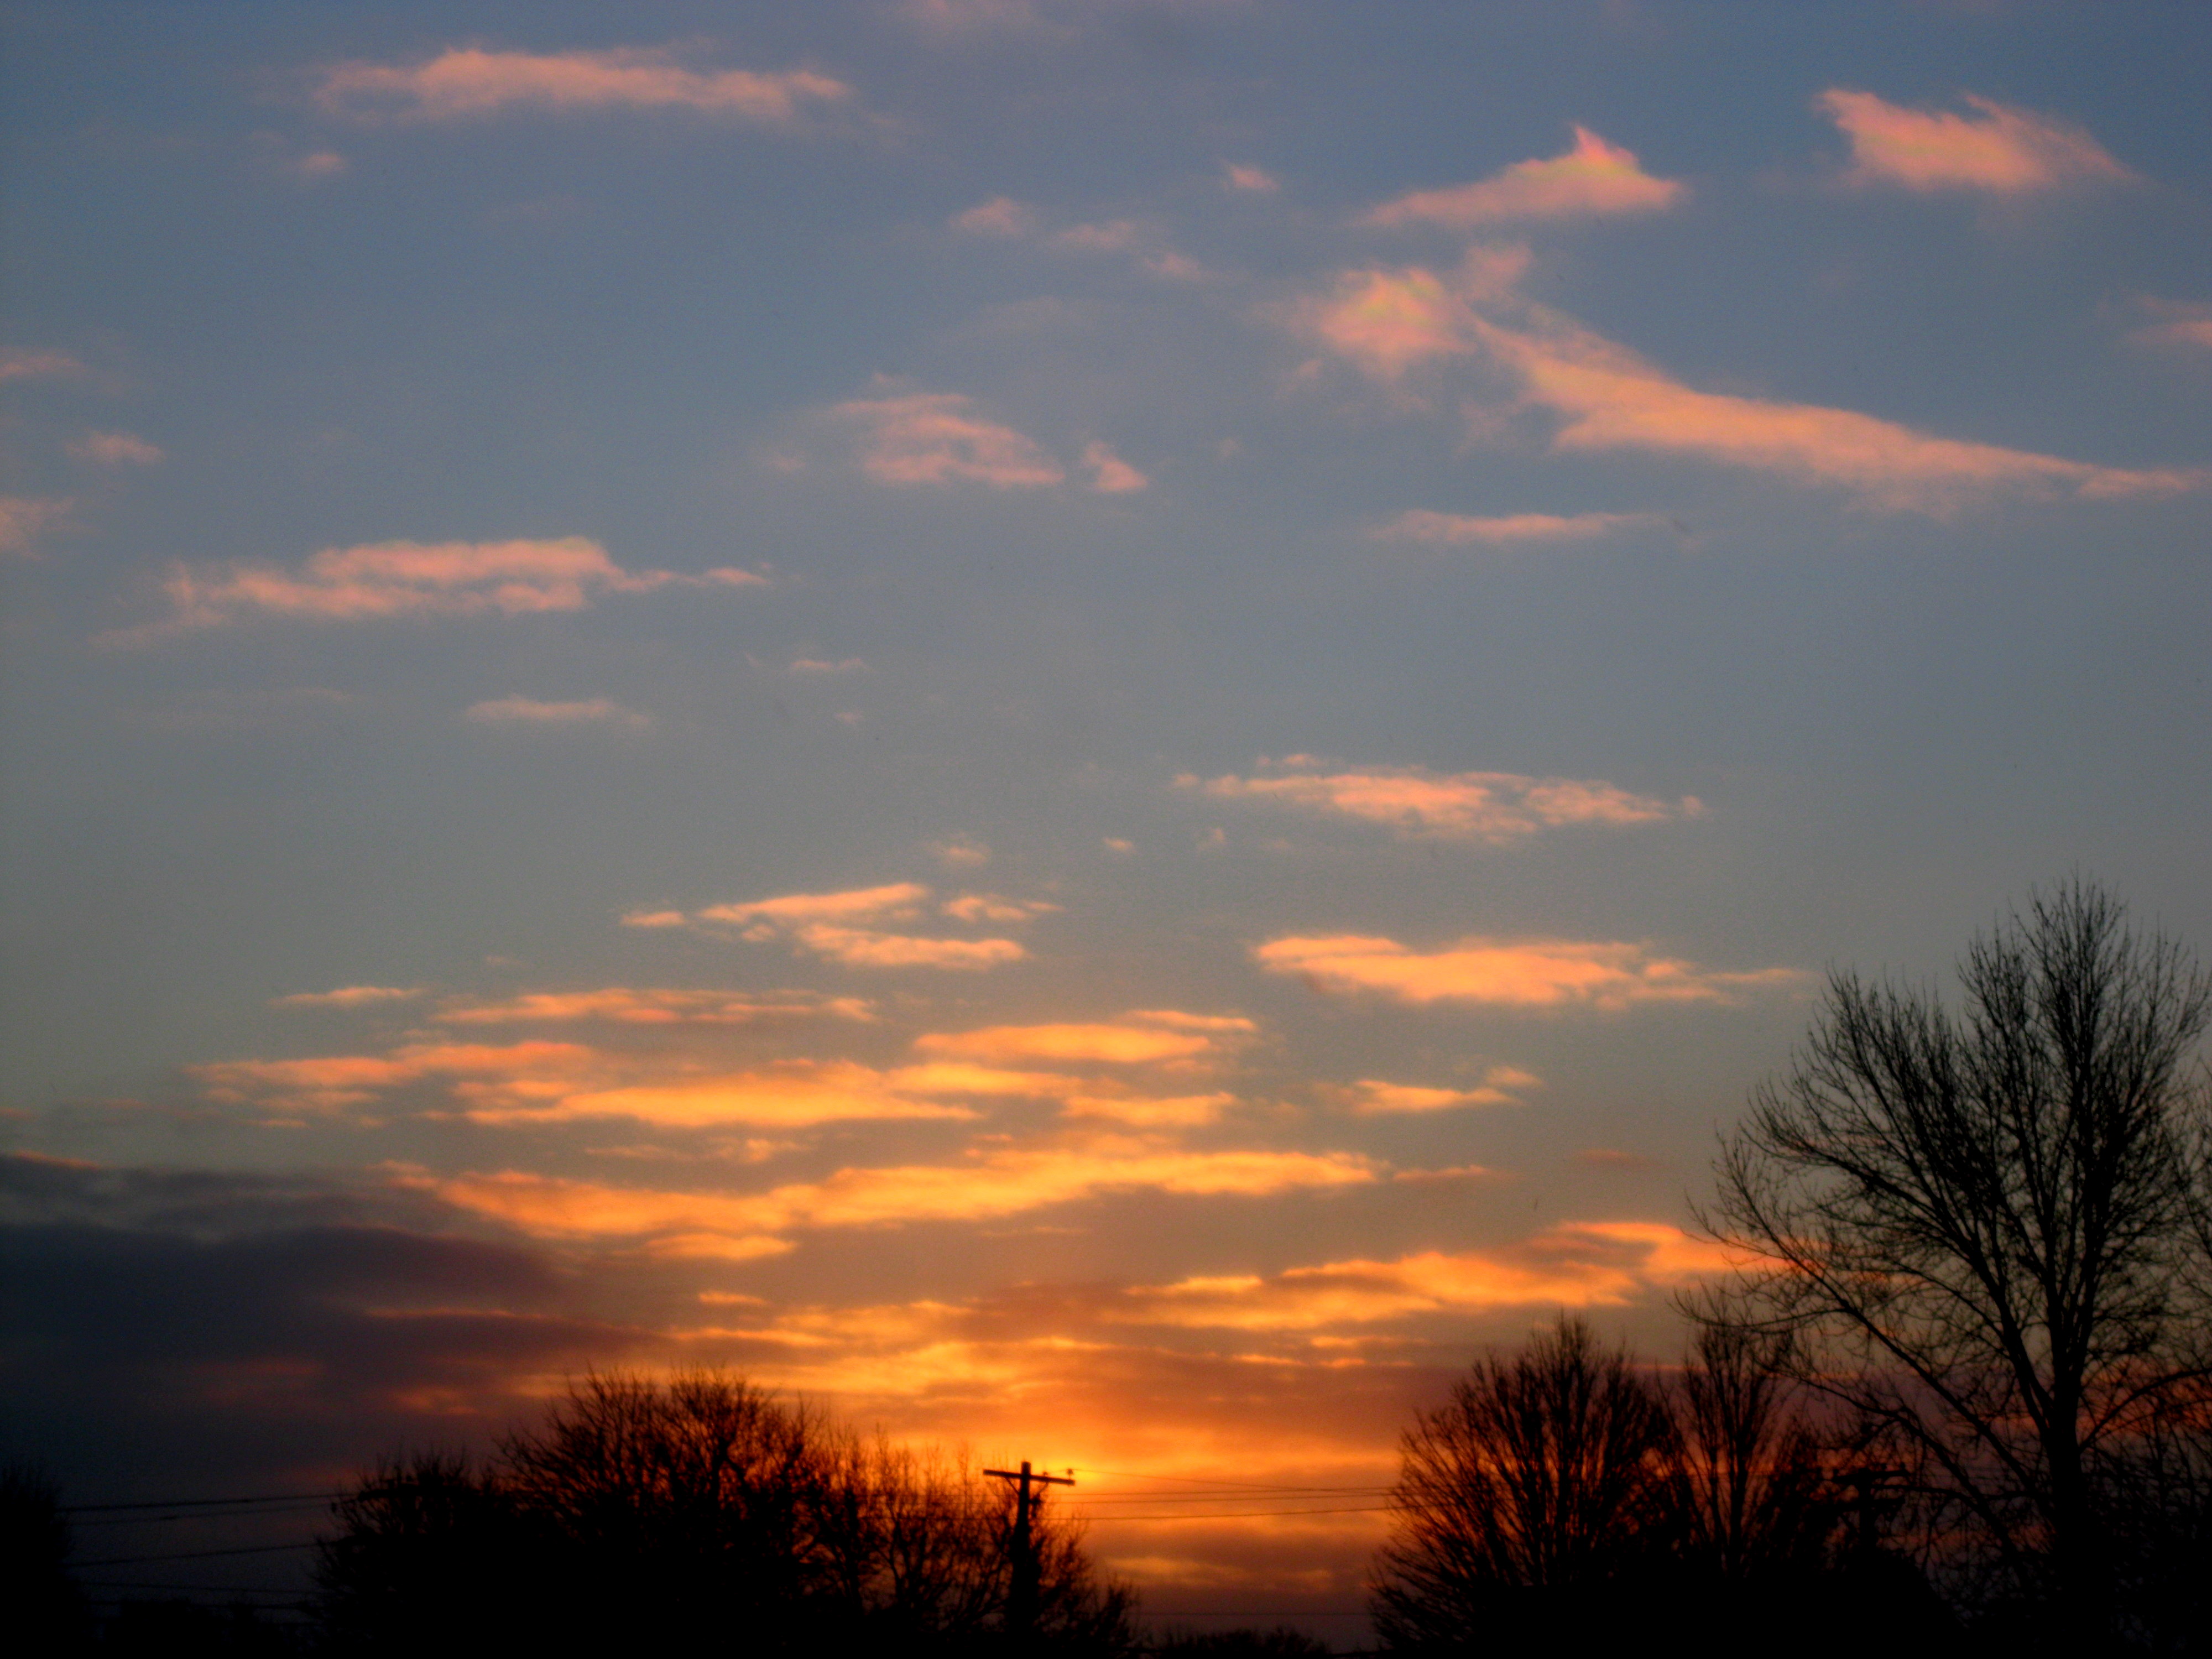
(1101, 729)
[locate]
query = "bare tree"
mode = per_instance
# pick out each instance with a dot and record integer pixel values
(699, 1512)
(1978, 1227)
(1548, 1473)
(1754, 1496)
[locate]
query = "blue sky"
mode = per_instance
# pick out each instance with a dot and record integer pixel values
(1086, 721)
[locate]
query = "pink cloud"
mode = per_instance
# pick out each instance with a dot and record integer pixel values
(332, 1083)
(936, 438)
(1498, 807)
(1462, 530)
(349, 996)
(2008, 151)
(1387, 323)
(470, 81)
(20, 364)
(417, 579)
(1002, 215)
(116, 449)
(528, 711)
(1257, 180)
(24, 519)
(2178, 323)
(1592, 177)
(1533, 973)
(1110, 474)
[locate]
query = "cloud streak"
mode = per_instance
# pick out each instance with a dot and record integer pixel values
(530, 712)
(1534, 974)
(1999, 149)
(1604, 397)
(1593, 179)
(1509, 530)
(853, 927)
(384, 580)
(463, 82)
(1500, 808)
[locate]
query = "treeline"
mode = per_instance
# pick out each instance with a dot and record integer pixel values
(705, 1513)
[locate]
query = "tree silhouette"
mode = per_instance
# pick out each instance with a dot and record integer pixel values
(1544, 1484)
(700, 1511)
(1983, 1230)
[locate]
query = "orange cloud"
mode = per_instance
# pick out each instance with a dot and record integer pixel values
(333, 1082)
(828, 925)
(1371, 1096)
(1498, 807)
(1140, 1038)
(1461, 529)
(2008, 151)
(1004, 1182)
(794, 1095)
(625, 1006)
(1149, 1111)
(417, 579)
(1507, 973)
(936, 438)
(463, 81)
(1592, 177)
(528, 711)
(24, 519)
(116, 449)
(349, 996)
(1579, 1265)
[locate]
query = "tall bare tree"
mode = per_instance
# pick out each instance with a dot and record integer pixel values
(1979, 1224)
(1548, 1476)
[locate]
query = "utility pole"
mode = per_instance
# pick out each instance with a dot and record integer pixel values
(1022, 1595)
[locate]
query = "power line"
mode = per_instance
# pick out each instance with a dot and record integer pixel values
(203, 1502)
(1250, 1515)
(1203, 1480)
(195, 1555)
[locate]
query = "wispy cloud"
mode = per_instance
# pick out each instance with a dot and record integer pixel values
(334, 1082)
(1145, 1036)
(1002, 215)
(1592, 177)
(1257, 181)
(1511, 529)
(415, 578)
(1509, 973)
(938, 438)
(25, 518)
(116, 449)
(1498, 807)
(350, 996)
(1578, 1264)
(1372, 1097)
(530, 712)
(20, 363)
(1110, 474)
(626, 1004)
(983, 1186)
(463, 81)
(856, 927)
(2173, 323)
(2007, 151)
(793, 1095)
(1605, 397)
